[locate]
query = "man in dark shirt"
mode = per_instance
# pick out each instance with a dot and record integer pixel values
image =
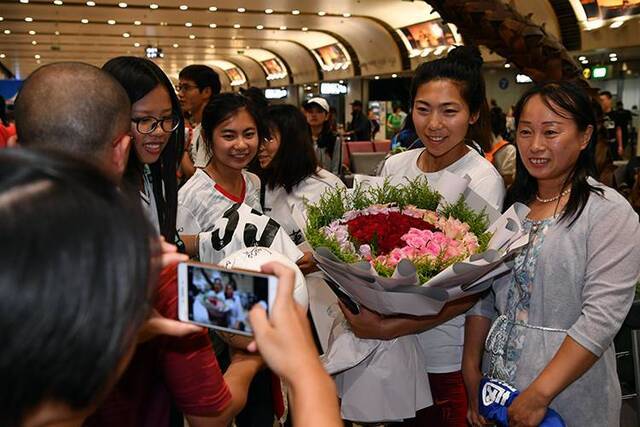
(360, 127)
(622, 119)
(614, 132)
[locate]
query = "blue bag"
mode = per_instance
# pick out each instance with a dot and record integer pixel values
(495, 399)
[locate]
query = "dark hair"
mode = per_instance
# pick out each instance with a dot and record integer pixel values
(295, 159)
(498, 122)
(202, 76)
(606, 93)
(72, 296)
(224, 105)
(570, 101)
(3, 112)
(463, 66)
(327, 137)
(73, 107)
(139, 76)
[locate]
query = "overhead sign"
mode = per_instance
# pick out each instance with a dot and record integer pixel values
(333, 88)
(599, 72)
(273, 93)
(523, 78)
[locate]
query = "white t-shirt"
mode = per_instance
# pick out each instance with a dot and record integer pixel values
(201, 203)
(198, 148)
(442, 345)
(289, 208)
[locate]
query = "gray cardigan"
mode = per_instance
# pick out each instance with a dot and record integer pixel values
(584, 284)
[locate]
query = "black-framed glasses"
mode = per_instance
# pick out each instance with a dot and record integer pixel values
(149, 124)
(185, 87)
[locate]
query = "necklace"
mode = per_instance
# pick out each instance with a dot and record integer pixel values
(553, 199)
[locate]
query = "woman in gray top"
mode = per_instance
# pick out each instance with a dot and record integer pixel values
(555, 314)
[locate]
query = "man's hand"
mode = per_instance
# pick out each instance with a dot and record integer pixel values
(306, 263)
(368, 324)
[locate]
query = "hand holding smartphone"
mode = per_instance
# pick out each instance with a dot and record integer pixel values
(219, 298)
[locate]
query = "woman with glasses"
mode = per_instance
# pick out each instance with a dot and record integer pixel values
(158, 134)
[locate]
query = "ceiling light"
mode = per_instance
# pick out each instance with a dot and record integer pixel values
(212, 9)
(322, 13)
(136, 44)
(612, 54)
(122, 4)
(617, 24)
(212, 46)
(28, 19)
(242, 10)
(57, 33)
(37, 56)
(233, 37)
(192, 36)
(248, 47)
(32, 33)
(394, 75)
(111, 22)
(84, 21)
(283, 27)
(2, 56)
(507, 65)
(184, 7)
(1, 19)
(341, 82)
(7, 32)
(33, 42)
(259, 27)
(295, 12)
(377, 77)
(236, 26)
(126, 35)
(582, 58)
(613, 59)
(213, 25)
(91, 3)
(268, 11)
(57, 2)
(153, 6)
(305, 29)
(176, 45)
(24, 1)
(163, 23)
(188, 24)
(346, 15)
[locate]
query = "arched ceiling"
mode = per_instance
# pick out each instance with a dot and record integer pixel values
(244, 32)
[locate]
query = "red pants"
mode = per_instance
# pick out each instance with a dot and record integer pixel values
(449, 403)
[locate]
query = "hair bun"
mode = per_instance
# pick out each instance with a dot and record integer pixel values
(467, 55)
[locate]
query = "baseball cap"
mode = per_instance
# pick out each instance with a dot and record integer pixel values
(321, 102)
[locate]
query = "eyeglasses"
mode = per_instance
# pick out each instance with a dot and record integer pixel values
(267, 141)
(185, 88)
(149, 124)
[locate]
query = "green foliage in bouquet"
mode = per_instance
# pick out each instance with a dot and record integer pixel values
(478, 221)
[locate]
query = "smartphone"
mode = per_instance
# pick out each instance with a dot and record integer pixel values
(219, 298)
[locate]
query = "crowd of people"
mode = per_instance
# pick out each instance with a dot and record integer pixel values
(110, 186)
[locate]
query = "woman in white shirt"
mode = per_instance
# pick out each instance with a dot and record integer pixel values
(449, 107)
(290, 172)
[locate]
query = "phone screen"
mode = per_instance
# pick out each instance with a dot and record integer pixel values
(223, 299)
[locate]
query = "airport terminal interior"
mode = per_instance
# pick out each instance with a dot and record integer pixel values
(361, 80)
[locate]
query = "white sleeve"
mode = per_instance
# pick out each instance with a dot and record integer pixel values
(186, 222)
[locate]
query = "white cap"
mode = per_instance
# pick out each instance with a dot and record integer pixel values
(321, 102)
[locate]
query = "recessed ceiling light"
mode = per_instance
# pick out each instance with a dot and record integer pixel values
(32, 33)
(259, 27)
(213, 25)
(507, 65)
(236, 26)
(137, 22)
(188, 24)
(136, 44)
(341, 81)
(212, 9)
(57, 2)
(2, 55)
(248, 47)
(111, 22)
(126, 35)
(184, 7)
(613, 54)
(305, 29)
(84, 21)
(91, 3)
(211, 46)
(192, 36)
(1, 19)
(322, 13)
(582, 58)
(163, 23)
(377, 77)
(28, 19)
(24, 1)
(7, 32)
(613, 59)
(283, 27)
(295, 12)
(346, 15)
(57, 33)
(33, 42)
(122, 4)
(37, 56)
(268, 11)
(153, 6)
(394, 75)
(233, 37)
(176, 45)
(242, 10)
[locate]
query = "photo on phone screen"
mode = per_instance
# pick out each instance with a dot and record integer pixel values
(222, 299)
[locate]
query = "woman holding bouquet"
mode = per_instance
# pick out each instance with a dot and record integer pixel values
(450, 109)
(555, 315)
